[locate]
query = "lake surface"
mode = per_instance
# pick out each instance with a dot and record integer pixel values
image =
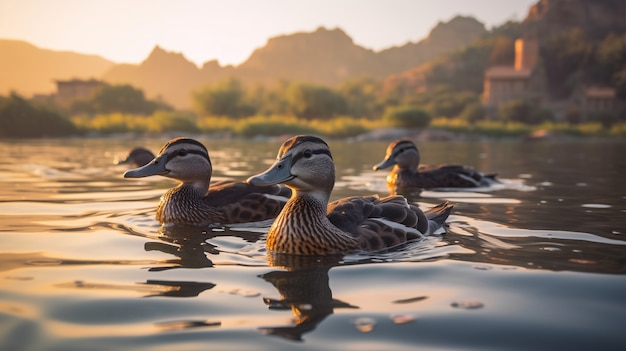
(536, 263)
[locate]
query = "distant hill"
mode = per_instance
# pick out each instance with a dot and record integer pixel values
(546, 20)
(324, 56)
(29, 70)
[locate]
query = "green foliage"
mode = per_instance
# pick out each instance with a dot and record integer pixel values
(273, 126)
(566, 55)
(362, 98)
(611, 62)
(226, 98)
(313, 101)
(523, 111)
(473, 112)
(407, 117)
(165, 121)
(21, 119)
(502, 51)
(117, 99)
(343, 127)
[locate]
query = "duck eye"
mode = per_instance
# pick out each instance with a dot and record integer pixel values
(182, 152)
(307, 153)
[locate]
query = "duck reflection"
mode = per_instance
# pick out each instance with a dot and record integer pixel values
(180, 288)
(189, 245)
(304, 289)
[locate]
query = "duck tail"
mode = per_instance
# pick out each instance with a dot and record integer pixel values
(440, 212)
(437, 216)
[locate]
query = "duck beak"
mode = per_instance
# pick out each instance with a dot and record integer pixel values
(154, 167)
(278, 173)
(386, 163)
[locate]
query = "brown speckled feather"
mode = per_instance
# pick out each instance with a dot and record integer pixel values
(309, 225)
(195, 202)
(404, 156)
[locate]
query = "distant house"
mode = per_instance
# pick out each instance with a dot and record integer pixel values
(522, 81)
(69, 91)
(591, 100)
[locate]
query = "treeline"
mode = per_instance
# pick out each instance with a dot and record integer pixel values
(446, 89)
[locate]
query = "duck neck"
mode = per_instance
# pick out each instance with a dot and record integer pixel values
(303, 228)
(184, 204)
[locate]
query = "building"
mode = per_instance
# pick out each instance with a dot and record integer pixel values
(522, 81)
(592, 100)
(69, 91)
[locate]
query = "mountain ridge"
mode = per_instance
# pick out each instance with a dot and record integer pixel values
(324, 56)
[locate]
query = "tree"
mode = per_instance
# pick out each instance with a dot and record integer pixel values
(567, 55)
(225, 98)
(313, 101)
(524, 112)
(21, 119)
(361, 97)
(407, 117)
(118, 98)
(611, 59)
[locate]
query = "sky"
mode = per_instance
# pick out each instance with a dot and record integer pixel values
(126, 31)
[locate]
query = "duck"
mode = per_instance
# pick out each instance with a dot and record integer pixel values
(407, 172)
(137, 157)
(196, 201)
(310, 225)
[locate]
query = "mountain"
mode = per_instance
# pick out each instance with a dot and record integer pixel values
(443, 38)
(324, 56)
(567, 58)
(29, 70)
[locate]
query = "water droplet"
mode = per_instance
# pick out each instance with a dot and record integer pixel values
(403, 318)
(365, 324)
(596, 206)
(468, 305)
(552, 249)
(482, 268)
(250, 293)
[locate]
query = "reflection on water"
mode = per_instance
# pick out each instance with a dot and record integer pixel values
(536, 262)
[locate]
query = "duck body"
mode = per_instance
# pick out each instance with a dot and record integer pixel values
(310, 225)
(137, 157)
(407, 172)
(197, 201)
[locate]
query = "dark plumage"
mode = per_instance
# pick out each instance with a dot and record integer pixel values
(404, 156)
(309, 225)
(137, 157)
(195, 201)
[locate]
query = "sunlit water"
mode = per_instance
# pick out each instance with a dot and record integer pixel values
(538, 262)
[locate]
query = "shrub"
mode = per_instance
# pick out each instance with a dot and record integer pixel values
(407, 117)
(21, 119)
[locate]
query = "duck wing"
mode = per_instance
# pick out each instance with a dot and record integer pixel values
(454, 176)
(241, 202)
(384, 222)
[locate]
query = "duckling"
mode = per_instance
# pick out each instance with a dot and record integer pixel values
(404, 156)
(309, 225)
(198, 202)
(137, 157)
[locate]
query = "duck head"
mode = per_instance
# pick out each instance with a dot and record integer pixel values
(182, 159)
(402, 153)
(304, 164)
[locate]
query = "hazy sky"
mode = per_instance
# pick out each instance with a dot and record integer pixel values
(125, 31)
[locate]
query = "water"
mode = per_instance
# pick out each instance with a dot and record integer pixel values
(537, 263)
